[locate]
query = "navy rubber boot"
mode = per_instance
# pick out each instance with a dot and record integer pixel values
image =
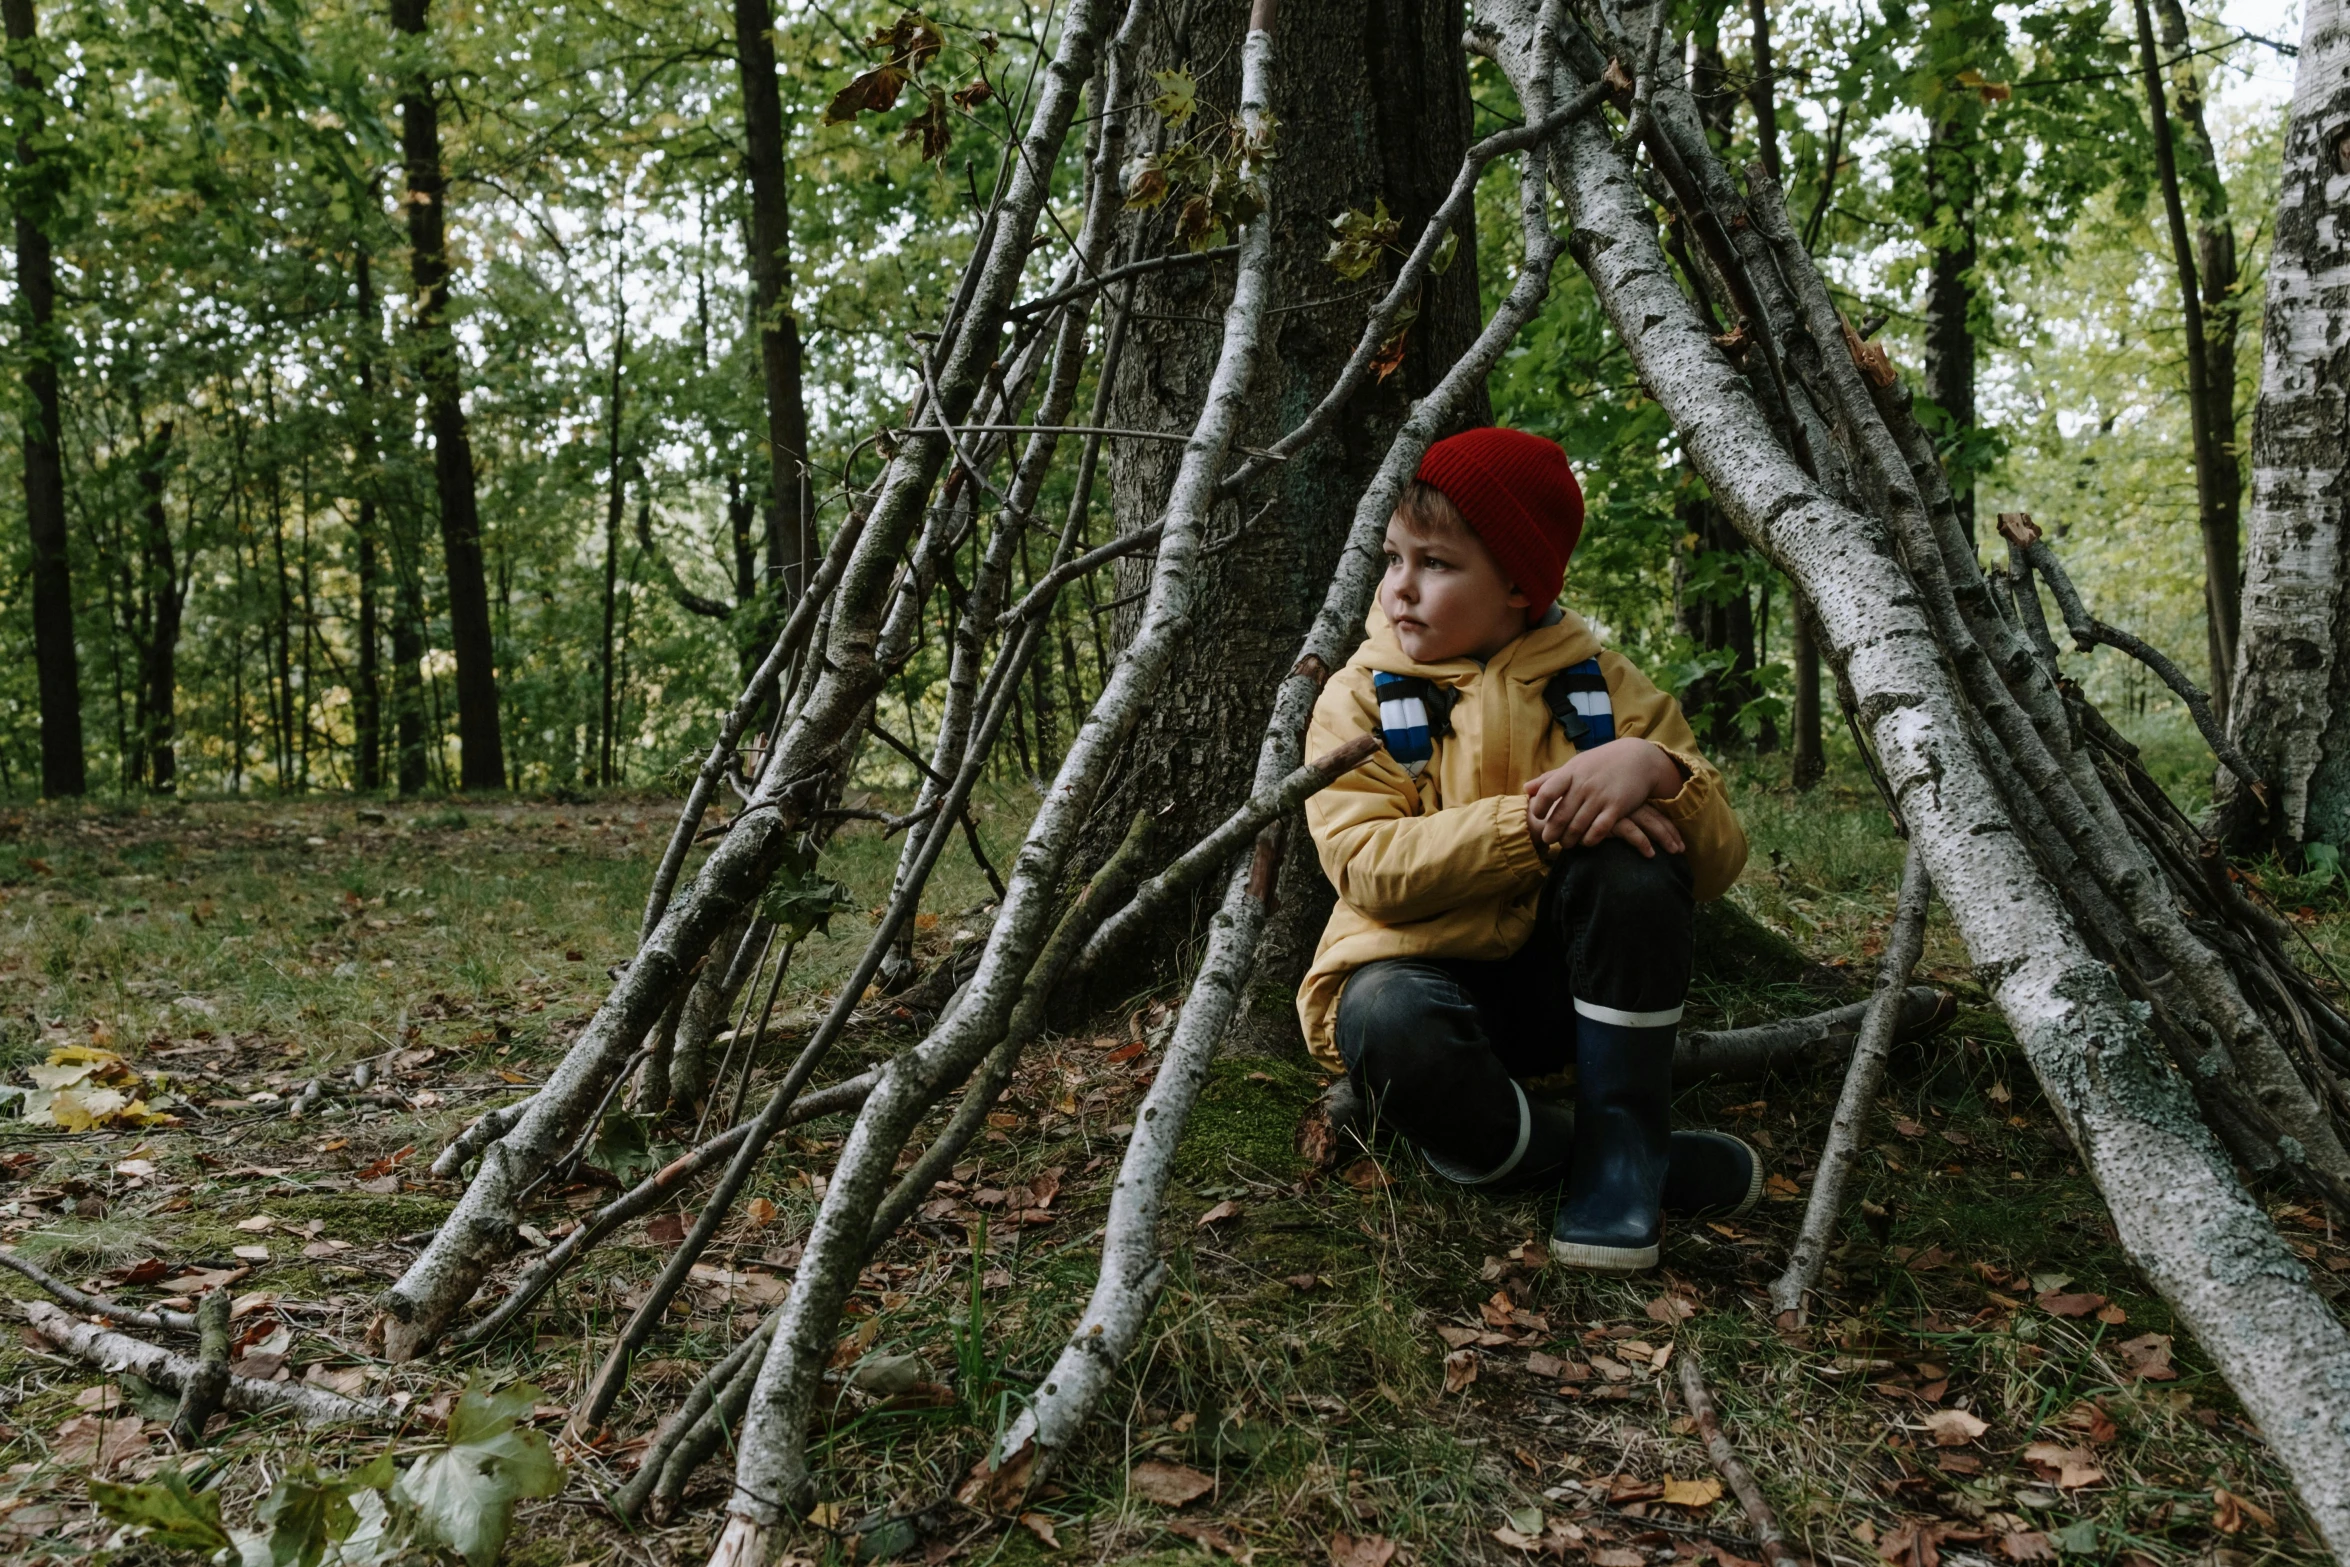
(1711, 1175)
(1612, 1220)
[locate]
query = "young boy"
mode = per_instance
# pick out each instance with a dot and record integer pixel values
(1517, 873)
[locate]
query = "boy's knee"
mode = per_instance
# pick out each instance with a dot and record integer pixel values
(1396, 1016)
(1616, 882)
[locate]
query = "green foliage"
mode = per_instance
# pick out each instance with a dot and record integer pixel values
(165, 1511)
(458, 1497)
(798, 900)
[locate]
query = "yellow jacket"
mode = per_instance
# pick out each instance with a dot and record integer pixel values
(1443, 866)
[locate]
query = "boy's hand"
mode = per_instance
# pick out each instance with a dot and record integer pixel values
(1605, 792)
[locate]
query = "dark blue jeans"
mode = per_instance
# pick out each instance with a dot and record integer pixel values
(1434, 1044)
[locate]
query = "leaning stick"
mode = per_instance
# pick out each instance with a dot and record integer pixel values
(1902, 946)
(116, 1353)
(648, 1194)
(99, 1305)
(1767, 1532)
(1193, 865)
(630, 1498)
(200, 1394)
(1132, 1270)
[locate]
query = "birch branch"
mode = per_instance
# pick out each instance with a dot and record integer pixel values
(201, 1393)
(1217, 848)
(99, 1305)
(2088, 631)
(1903, 943)
(1745, 1053)
(771, 1469)
(116, 1353)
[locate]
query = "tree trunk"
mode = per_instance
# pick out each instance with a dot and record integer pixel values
(159, 657)
(2211, 402)
(57, 663)
(790, 546)
(367, 684)
(614, 502)
(1950, 297)
(1382, 113)
(482, 763)
(2290, 710)
(2219, 468)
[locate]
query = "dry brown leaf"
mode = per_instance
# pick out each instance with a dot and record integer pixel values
(1213, 1537)
(1460, 1369)
(1170, 1485)
(1955, 1427)
(1691, 1493)
(1227, 1209)
(2091, 1421)
(2148, 1357)
(101, 1444)
(2230, 1512)
(1516, 1541)
(1669, 1307)
(1361, 1550)
(1457, 1338)
(2027, 1545)
(1618, 1556)
(1548, 1367)
(759, 1211)
(2071, 1467)
(2063, 1305)
(1042, 1527)
(1366, 1175)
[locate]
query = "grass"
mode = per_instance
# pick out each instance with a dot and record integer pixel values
(1295, 1356)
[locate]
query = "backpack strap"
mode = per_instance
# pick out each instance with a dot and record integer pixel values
(1414, 713)
(1577, 697)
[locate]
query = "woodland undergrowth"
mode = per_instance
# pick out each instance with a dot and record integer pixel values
(1347, 1359)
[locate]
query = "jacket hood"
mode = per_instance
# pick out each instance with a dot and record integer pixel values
(1541, 653)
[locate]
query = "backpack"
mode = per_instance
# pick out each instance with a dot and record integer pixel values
(1416, 712)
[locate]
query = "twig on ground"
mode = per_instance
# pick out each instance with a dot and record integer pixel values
(1741, 1053)
(116, 1352)
(1902, 946)
(1740, 1479)
(99, 1305)
(201, 1393)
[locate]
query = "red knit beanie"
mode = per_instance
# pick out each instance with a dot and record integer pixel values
(1519, 495)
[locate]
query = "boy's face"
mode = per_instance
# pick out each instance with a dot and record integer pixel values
(1445, 595)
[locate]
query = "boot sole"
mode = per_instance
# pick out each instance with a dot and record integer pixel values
(1604, 1259)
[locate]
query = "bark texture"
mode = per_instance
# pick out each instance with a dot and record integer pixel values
(2290, 711)
(1382, 113)
(790, 540)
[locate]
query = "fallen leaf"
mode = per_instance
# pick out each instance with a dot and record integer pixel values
(2071, 1467)
(666, 1229)
(2057, 1305)
(1782, 1188)
(103, 1445)
(1548, 1367)
(258, 1224)
(1909, 1128)
(1669, 1307)
(2112, 1316)
(2027, 1545)
(1460, 1369)
(1227, 1209)
(1691, 1493)
(1361, 1550)
(1212, 1537)
(1170, 1485)
(1622, 1488)
(1618, 1556)
(758, 1210)
(2230, 1512)
(2091, 1421)
(2148, 1357)
(1955, 1427)
(1042, 1527)
(250, 1253)
(1366, 1175)
(1613, 1370)
(1516, 1541)
(1301, 1282)
(1457, 1338)
(1045, 1188)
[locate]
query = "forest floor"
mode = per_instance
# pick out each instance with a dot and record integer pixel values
(1351, 1359)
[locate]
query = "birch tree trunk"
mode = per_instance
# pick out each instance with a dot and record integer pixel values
(1382, 114)
(2185, 1220)
(2289, 711)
